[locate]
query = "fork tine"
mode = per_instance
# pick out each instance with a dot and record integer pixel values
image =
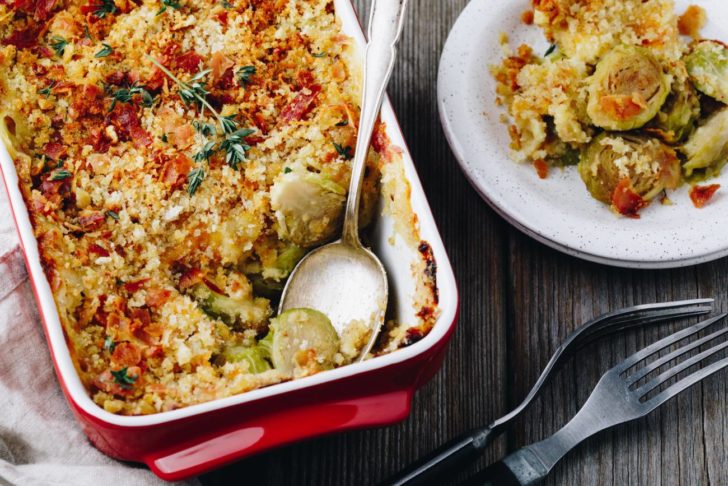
(665, 342)
(664, 305)
(642, 309)
(654, 317)
(642, 372)
(657, 315)
(666, 375)
(686, 383)
(646, 314)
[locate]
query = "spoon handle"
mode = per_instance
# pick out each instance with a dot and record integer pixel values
(385, 27)
(447, 461)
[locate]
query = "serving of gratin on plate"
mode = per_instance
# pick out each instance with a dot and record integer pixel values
(621, 94)
(595, 126)
(177, 160)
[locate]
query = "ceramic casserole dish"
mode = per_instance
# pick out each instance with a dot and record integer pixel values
(189, 441)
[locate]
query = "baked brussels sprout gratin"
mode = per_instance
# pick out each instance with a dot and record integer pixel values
(625, 95)
(177, 161)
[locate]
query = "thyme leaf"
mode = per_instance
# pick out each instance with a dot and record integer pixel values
(205, 152)
(345, 152)
(105, 51)
(47, 91)
(244, 74)
(58, 44)
(194, 179)
(60, 174)
(103, 8)
(122, 378)
(169, 3)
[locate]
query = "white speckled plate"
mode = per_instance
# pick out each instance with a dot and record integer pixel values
(559, 211)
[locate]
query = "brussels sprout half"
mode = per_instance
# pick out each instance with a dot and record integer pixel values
(309, 207)
(677, 117)
(707, 148)
(255, 356)
(642, 165)
(627, 89)
(303, 338)
(270, 284)
(707, 64)
(233, 312)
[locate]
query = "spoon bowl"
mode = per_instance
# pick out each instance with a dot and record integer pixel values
(346, 283)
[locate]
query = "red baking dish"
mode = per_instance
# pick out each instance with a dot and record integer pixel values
(189, 441)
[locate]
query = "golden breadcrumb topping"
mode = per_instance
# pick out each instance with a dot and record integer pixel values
(148, 136)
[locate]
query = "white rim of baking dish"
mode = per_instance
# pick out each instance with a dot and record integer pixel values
(446, 284)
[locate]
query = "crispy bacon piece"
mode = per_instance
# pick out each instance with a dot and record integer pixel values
(380, 139)
(132, 287)
(701, 195)
(222, 17)
(88, 100)
(527, 17)
(97, 140)
(227, 79)
(125, 119)
(39, 9)
(305, 78)
(626, 201)
(117, 78)
(22, 39)
(542, 168)
(190, 278)
(55, 151)
(175, 171)
(126, 354)
(43, 9)
(180, 132)
(91, 221)
(157, 297)
(98, 250)
(219, 64)
(142, 315)
(155, 352)
(301, 105)
(189, 61)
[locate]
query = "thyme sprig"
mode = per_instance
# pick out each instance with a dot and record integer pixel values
(194, 92)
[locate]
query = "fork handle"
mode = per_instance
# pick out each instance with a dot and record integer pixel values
(451, 458)
(521, 468)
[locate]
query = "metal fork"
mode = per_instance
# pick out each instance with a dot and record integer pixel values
(461, 451)
(617, 398)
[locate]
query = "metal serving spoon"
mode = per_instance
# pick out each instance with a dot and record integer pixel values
(344, 280)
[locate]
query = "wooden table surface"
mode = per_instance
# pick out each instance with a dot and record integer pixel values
(519, 300)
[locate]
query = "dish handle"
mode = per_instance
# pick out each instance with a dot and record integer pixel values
(275, 429)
